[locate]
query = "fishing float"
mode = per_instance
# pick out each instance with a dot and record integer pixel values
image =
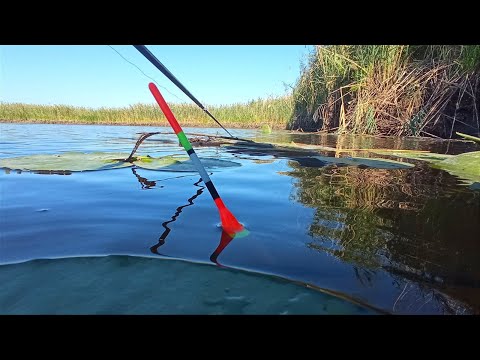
(229, 223)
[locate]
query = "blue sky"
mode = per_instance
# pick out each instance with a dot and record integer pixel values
(96, 76)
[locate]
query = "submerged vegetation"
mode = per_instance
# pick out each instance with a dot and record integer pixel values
(390, 90)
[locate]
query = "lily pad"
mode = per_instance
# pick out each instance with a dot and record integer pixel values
(465, 166)
(181, 164)
(414, 154)
(318, 161)
(75, 161)
(154, 163)
(377, 163)
(70, 161)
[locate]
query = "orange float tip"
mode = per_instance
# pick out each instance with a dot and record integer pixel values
(229, 223)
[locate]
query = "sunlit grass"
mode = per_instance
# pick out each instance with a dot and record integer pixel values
(389, 89)
(274, 112)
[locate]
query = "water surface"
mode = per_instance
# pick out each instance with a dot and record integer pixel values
(326, 238)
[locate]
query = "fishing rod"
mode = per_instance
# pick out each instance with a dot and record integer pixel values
(229, 223)
(155, 62)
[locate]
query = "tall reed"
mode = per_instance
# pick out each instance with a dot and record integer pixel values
(390, 90)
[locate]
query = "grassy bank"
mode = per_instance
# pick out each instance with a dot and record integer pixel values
(390, 90)
(275, 112)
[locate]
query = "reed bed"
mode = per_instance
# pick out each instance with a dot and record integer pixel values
(395, 90)
(274, 112)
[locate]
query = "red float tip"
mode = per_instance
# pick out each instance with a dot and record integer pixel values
(229, 223)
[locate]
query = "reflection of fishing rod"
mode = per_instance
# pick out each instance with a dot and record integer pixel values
(161, 239)
(148, 184)
(229, 223)
(144, 182)
(224, 240)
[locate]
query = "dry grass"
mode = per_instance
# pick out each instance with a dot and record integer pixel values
(390, 90)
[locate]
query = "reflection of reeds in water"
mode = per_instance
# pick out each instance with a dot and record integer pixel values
(414, 223)
(347, 199)
(367, 188)
(414, 296)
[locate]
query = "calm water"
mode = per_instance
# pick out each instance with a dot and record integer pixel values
(323, 238)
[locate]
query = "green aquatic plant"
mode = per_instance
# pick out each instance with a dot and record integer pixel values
(73, 162)
(181, 163)
(69, 161)
(465, 166)
(468, 137)
(412, 154)
(355, 161)
(266, 129)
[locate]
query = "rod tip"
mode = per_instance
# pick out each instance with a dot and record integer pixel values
(152, 87)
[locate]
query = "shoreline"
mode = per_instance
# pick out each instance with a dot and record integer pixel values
(201, 126)
(152, 124)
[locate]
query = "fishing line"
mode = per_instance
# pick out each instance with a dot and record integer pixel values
(144, 73)
(155, 62)
(145, 52)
